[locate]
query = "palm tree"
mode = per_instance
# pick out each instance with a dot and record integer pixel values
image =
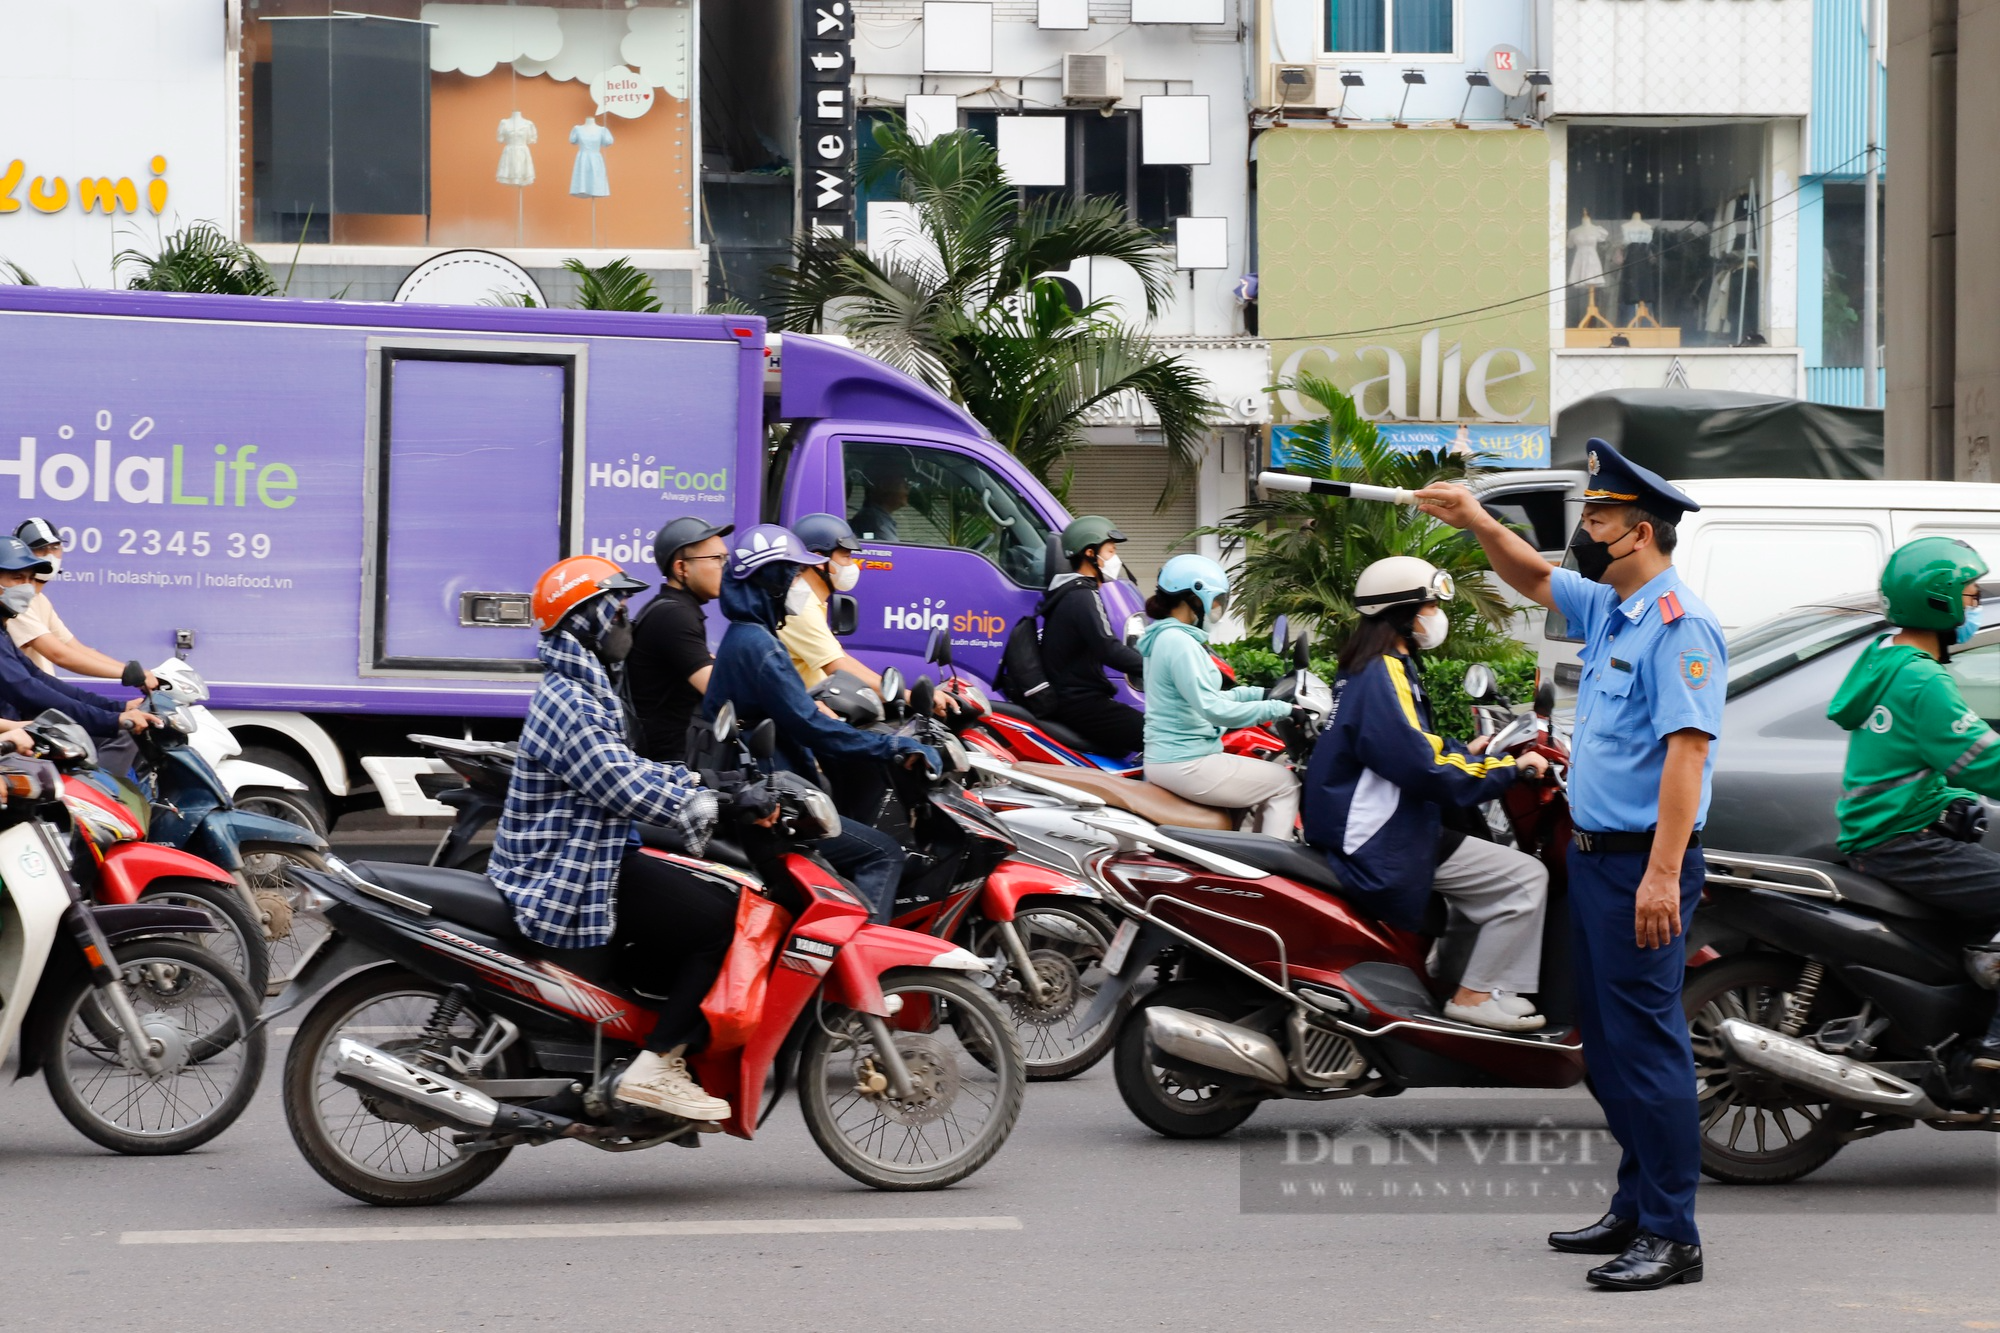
(963, 305)
(199, 258)
(613, 286)
(1301, 554)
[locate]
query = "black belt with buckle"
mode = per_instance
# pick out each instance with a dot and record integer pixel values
(1586, 841)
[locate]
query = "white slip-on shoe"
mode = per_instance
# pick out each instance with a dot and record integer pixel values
(662, 1083)
(1487, 1014)
(1514, 1004)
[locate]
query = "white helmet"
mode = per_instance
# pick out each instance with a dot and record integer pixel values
(1400, 580)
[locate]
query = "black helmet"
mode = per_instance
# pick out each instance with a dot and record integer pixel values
(38, 532)
(826, 533)
(682, 533)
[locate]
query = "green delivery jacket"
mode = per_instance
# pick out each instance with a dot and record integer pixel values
(1912, 738)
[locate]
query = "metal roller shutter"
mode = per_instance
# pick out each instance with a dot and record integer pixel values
(1122, 482)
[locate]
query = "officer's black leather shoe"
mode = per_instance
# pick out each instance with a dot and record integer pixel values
(1609, 1234)
(1650, 1261)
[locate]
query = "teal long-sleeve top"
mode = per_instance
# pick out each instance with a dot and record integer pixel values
(1187, 708)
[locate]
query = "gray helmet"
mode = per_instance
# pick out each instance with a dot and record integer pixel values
(682, 533)
(1084, 533)
(38, 532)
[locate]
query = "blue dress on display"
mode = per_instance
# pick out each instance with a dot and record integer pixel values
(587, 179)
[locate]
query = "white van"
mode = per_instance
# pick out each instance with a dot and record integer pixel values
(1761, 545)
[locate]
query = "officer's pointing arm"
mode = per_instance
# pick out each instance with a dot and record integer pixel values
(1518, 564)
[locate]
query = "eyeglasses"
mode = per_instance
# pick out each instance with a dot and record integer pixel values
(697, 559)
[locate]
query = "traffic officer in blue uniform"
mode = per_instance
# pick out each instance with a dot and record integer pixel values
(1648, 711)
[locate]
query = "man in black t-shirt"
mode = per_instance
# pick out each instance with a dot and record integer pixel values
(668, 668)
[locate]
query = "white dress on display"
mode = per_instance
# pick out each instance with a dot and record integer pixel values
(588, 179)
(517, 164)
(1586, 266)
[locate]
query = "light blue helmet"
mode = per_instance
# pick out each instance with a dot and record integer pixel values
(1202, 577)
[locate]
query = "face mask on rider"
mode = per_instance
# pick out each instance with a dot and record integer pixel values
(1969, 628)
(55, 568)
(1431, 628)
(615, 643)
(1110, 568)
(843, 577)
(16, 600)
(1593, 557)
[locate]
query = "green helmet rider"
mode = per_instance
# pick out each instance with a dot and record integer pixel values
(1924, 582)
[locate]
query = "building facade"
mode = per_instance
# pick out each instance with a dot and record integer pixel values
(1831, 212)
(1402, 202)
(350, 148)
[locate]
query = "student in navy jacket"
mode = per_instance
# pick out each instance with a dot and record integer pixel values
(1378, 779)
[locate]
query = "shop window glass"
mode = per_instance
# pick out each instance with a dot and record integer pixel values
(475, 124)
(1104, 160)
(915, 496)
(1665, 236)
(1378, 27)
(1842, 296)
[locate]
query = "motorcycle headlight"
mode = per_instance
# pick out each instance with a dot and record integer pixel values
(180, 720)
(817, 817)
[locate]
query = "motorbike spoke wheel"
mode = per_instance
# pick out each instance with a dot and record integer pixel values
(963, 1104)
(195, 1011)
(1066, 946)
(1754, 1130)
(1174, 1100)
(238, 940)
(364, 1146)
(291, 931)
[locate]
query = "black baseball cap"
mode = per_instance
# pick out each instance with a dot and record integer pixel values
(682, 533)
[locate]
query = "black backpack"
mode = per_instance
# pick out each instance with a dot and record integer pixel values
(1021, 676)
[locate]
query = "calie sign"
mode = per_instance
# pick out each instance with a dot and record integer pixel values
(1439, 377)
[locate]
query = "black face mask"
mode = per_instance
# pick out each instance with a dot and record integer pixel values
(1593, 557)
(616, 641)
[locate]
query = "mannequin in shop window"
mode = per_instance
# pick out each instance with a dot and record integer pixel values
(1639, 267)
(517, 164)
(1586, 265)
(588, 178)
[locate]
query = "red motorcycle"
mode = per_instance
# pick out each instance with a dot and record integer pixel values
(453, 1039)
(1272, 986)
(117, 865)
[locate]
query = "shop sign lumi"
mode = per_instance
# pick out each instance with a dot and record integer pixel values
(101, 194)
(826, 119)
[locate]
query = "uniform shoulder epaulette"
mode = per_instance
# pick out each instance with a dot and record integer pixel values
(1670, 609)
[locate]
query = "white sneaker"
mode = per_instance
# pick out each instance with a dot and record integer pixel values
(1516, 1005)
(1488, 1014)
(662, 1083)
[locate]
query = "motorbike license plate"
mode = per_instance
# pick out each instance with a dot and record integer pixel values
(1121, 945)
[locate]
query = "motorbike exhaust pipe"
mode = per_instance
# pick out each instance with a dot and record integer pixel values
(1213, 1044)
(1801, 1064)
(436, 1097)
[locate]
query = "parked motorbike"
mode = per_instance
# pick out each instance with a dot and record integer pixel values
(148, 1042)
(1826, 1007)
(190, 807)
(1273, 986)
(453, 1039)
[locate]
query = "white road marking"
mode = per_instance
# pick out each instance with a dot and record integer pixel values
(777, 1226)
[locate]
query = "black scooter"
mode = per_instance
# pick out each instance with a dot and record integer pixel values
(1826, 1007)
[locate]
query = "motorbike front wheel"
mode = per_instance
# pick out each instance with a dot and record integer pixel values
(1173, 1099)
(195, 1010)
(962, 1105)
(1066, 945)
(1754, 1131)
(290, 931)
(361, 1145)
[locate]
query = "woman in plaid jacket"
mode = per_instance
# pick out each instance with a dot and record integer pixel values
(566, 855)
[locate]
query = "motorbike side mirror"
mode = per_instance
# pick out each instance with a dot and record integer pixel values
(763, 740)
(892, 688)
(1281, 633)
(724, 726)
(938, 650)
(1301, 654)
(1480, 682)
(133, 677)
(922, 695)
(1545, 699)
(843, 615)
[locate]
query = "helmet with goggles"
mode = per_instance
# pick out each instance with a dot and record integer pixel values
(1400, 580)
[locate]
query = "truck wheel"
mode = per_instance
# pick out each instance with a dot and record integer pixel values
(307, 809)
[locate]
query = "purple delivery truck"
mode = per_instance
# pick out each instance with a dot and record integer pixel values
(336, 510)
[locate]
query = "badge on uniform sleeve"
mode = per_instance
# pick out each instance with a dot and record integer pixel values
(1695, 668)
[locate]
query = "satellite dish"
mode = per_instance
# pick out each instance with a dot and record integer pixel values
(1508, 68)
(469, 277)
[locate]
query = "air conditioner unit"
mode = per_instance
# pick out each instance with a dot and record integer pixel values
(1093, 76)
(1294, 85)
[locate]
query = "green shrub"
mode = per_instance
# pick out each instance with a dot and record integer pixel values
(1256, 664)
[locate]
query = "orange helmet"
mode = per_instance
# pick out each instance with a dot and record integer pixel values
(568, 584)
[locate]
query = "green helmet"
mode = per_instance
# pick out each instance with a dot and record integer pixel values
(1086, 532)
(1924, 582)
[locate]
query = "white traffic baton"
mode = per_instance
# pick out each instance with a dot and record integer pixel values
(1346, 490)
